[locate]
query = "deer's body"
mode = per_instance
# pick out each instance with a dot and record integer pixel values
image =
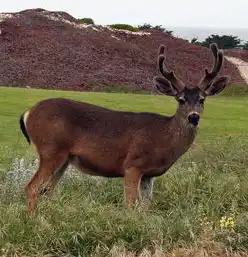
(109, 143)
(105, 142)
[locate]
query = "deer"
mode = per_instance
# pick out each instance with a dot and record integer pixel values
(135, 146)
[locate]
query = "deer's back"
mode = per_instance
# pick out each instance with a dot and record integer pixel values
(64, 115)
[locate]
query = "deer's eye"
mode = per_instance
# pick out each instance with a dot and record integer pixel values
(201, 101)
(181, 101)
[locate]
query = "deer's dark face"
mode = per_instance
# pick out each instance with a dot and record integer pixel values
(191, 105)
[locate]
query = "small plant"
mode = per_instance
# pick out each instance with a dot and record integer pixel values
(124, 27)
(227, 222)
(203, 217)
(86, 21)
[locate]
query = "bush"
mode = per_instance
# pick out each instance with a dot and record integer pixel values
(160, 28)
(223, 42)
(124, 26)
(245, 46)
(86, 21)
(195, 41)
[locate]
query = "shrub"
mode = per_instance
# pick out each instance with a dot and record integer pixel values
(245, 46)
(86, 21)
(195, 41)
(124, 26)
(223, 42)
(157, 27)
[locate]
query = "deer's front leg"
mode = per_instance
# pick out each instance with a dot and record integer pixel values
(131, 188)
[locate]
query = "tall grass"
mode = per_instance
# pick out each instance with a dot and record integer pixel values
(85, 216)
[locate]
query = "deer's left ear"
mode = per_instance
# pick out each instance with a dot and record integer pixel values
(217, 86)
(164, 86)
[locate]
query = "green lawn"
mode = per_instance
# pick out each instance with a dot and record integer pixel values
(86, 217)
(223, 116)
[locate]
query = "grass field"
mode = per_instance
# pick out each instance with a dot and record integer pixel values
(85, 217)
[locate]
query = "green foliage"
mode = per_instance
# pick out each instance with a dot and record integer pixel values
(245, 46)
(124, 27)
(195, 41)
(145, 26)
(224, 42)
(86, 21)
(160, 28)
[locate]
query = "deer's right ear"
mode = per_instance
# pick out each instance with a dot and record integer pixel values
(164, 86)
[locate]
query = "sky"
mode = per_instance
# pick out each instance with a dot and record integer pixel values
(173, 13)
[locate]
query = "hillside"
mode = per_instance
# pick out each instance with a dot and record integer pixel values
(43, 49)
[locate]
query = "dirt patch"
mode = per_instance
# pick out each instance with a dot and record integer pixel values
(241, 65)
(238, 53)
(42, 49)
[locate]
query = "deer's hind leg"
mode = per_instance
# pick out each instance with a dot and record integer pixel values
(54, 179)
(146, 188)
(49, 164)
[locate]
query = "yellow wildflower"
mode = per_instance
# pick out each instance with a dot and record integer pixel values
(227, 222)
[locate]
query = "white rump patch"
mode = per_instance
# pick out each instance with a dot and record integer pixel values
(25, 117)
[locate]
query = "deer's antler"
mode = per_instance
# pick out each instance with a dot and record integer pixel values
(208, 78)
(169, 75)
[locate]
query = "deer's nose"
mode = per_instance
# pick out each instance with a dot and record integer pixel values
(194, 118)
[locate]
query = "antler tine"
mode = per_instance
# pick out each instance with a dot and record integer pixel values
(218, 57)
(161, 49)
(170, 76)
(207, 79)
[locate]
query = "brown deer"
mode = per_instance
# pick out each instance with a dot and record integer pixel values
(110, 143)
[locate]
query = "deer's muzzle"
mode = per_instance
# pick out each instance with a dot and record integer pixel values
(194, 118)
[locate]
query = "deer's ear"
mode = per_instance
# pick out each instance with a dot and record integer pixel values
(164, 86)
(217, 86)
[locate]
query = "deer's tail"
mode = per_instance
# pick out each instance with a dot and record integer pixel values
(23, 119)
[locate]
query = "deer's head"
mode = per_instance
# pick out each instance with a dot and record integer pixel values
(191, 98)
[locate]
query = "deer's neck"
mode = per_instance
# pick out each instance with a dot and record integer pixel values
(185, 132)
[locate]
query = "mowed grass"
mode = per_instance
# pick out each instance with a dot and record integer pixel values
(86, 217)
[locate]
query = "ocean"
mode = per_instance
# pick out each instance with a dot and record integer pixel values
(202, 33)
